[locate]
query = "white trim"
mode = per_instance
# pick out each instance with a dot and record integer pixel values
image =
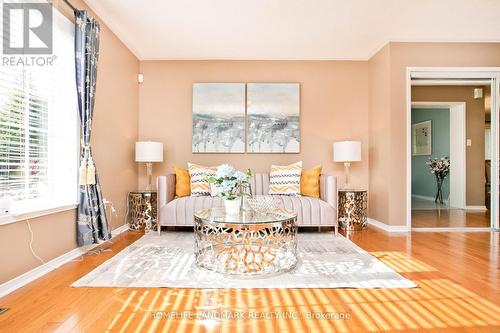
(435, 82)
(458, 155)
(23, 216)
(495, 152)
(452, 229)
(482, 208)
(386, 227)
(453, 72)
(39, 271)
(492, 73)
(435, 105)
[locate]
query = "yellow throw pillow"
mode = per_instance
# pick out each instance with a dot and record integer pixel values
(182, 182)
(309, 182)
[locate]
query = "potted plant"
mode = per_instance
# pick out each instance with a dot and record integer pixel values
(440, 167)
(229, 182)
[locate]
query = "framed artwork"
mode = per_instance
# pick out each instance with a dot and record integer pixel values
(218, 118)
(273, 118)
(422, 138)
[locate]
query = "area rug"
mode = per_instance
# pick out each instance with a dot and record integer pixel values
(167, 260)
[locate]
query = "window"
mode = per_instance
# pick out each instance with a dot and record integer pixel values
(39, 127)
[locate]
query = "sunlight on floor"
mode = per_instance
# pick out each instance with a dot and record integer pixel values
(437, 303)
(400, 262)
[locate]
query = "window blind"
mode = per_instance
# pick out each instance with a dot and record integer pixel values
(39, 127)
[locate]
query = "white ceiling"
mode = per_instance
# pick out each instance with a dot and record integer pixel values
(291, 29)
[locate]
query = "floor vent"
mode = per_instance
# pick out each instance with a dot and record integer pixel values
(2, 310)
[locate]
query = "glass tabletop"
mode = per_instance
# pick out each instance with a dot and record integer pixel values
(245, 217)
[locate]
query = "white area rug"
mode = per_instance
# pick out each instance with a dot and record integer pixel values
(325, 261)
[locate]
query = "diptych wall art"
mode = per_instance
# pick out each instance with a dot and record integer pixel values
(218, 118)
(271, 112)
(273, 118)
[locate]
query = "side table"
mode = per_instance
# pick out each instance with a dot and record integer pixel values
(142, 210)
(352, 209)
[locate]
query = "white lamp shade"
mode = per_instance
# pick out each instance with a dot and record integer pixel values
(148, 151)
(347, 151)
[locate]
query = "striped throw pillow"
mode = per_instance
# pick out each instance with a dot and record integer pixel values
(199, 179)
(285, 180)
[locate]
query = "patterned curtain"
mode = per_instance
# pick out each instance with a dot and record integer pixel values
(92, 221)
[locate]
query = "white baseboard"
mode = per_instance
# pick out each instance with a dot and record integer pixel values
(453, 229)
(386, 227)
(39, 271)
(423, 197)
(475, 208)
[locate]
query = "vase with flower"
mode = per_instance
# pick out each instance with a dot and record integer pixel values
(440, 167)
(229, 183)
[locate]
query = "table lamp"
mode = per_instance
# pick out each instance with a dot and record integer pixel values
(149, 152)
(347, 152)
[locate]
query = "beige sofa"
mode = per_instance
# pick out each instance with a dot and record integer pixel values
(311, 211)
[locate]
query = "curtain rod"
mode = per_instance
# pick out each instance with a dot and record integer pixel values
(70, 5)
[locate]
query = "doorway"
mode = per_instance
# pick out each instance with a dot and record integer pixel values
(448, 129)
(452, 119)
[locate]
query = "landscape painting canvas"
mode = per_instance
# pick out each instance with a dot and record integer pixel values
(273, 118)
(218, 118)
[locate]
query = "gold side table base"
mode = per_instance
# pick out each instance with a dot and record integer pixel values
(142, 211)
(353, 207)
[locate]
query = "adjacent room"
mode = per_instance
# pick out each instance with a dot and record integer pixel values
(249, 166)
(451, 153)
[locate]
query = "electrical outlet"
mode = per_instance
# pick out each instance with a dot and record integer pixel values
(469, 142)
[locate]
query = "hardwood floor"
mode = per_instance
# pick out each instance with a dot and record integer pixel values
(457, 273)
(432, 218)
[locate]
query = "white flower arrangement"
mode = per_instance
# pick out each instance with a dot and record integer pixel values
(439, 166)
(229, 181)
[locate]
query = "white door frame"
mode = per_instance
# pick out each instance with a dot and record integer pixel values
(458, 149)
(492, 73)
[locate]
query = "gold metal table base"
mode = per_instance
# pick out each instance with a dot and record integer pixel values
(142, 211)
(246, 249)
(352, 208)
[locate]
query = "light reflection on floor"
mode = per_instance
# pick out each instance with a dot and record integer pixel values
(436, 304)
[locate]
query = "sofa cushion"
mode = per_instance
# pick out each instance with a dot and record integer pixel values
(182, 182)
(309, 182)
(310, 211)
(285, 180)
(199, 179)
(181, 211)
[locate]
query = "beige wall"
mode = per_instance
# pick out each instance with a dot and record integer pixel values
(113, 136)
(475, 124)
(334, 106)
(401, 56)
(339, 100)
(379, 120)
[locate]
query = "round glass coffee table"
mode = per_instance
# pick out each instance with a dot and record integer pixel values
(246, 244)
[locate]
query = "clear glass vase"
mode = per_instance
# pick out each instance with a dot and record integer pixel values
(245, 192)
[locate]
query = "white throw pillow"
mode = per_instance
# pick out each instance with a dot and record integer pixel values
(199, 179)
(285, 180)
